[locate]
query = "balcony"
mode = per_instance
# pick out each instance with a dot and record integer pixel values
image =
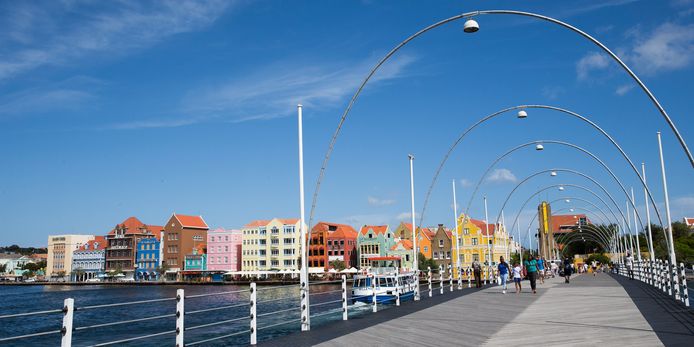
(119, 247)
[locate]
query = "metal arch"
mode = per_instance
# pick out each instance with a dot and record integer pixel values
(589, 232)
(589, 237)
(570, 171)
(333, 140)
(602, 233)
(520, 107)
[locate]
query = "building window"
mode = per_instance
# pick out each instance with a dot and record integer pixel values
(426, 249)
(474, 241)
(440, 243)
(436, 255)
(475, 257)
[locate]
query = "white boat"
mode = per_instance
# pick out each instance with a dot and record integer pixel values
(386, 279)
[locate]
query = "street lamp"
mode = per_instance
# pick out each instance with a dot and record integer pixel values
(471, 26)
(539, 147)
(522, 114)
(553, 173)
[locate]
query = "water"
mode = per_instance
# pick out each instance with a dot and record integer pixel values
(17, 299)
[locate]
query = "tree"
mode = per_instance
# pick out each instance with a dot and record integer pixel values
(423, 262)
(32, 267)
(599, 257)
(337, 264)
(3, 267)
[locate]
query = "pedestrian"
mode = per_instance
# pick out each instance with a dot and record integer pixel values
(503, 273)
(630, 266)
(541, 269)
(477, 270)
(594, 266)
(531, 268)
(517, 277)
(554, 267)
(568, 269)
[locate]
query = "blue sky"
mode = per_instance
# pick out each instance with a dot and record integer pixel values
(124, 108)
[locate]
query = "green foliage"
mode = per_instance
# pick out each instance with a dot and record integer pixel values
(684, 242)
(23, 250)
(33, 266)
(3, 267)
(599, 257)
(338, 265)
(424, 262)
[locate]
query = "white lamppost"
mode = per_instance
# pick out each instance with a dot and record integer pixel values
(636, 229)
(415, 259)
(305, 313)
(673, 260)
(648, 215)
(457, 236)
(486, 224)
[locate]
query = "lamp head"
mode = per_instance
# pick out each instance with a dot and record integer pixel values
(522, 114)
(561, 188)
(471, 26)
(539, 147)
(553, 173)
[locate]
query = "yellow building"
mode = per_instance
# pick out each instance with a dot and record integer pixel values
(271, 245)
(473, 241)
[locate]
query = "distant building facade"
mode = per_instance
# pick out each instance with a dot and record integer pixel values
(89, 261)
(60, 251)
(271, 245)
(182, 234)
(332, 241)
(224, 250)
(441, 247)
(122, 241)
(148, 261)
(373, 241)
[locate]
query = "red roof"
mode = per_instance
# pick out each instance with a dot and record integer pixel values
(427, 232)
(407, 244)
(378, 229)
(257, 223)
(290, 221)
(100, 242)
(191, 221)
(562, 221)
(483, 227)
(336, 230)
(133, 225)
(689, 221)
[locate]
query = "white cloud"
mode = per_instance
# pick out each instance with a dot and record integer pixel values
(622, 90)
(591, 61)
(552, 92)
(374, 201)
(669, 47)
(501, 176)
(68, 95)
(276, 90)
(405, 216)
(34, 36)
(465, 183)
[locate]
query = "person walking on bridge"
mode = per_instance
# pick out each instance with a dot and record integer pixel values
(568, 269)
(504, 270)
(541, 269)
(477, 270)
(630, 266)
(531, 268)
(517, 277)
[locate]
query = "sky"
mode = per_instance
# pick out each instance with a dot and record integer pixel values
(148, 108)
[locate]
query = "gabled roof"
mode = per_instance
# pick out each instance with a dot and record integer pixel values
(406, 244)
(336, 230)
(195, 222)
(288, 221)
(133, 225)
(689, 221)
(378, 229)
(257, 223)
(483, 227)
(564, 221)
(99, 241)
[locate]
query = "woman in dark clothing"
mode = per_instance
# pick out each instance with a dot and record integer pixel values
(531, 268)
(567, 270)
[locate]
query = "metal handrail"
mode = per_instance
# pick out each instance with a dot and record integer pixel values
(124, 322)
(215, 323)
(329, 292)
(278, 324)
(213, 294)
(217, 338)
(326, 303)
(278, 311)
(270, 300)
(277, 287)
(29, 313)
(325, 282)
(217, 308)
(134, 338)
(30, 335)
(122, 304)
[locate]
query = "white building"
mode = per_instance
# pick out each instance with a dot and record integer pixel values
(60, 251)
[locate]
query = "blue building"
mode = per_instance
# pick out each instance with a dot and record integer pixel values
(147, 259)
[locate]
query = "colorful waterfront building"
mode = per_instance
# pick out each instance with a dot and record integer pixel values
(148, 259)
(223, 251)
(121, 248)
(424, 235)
(195, 264)
(373, 241)
(182, 234)
(476, 242)
(441, 247)
(403, 250)
(89, 261)
(271, 245)
(60, 251)
(330, 242)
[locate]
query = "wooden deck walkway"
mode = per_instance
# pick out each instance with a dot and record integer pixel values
(592, 310)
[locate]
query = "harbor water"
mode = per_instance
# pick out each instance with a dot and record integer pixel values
(19, 299)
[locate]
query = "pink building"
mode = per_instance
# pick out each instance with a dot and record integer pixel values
(223, 250)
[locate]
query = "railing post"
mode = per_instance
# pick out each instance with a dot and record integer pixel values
(373, 294)
(676, 281)
(668, 279)
(305, 306)
(469, 278)
(344, 298)
(397, 296)
(441, 279)
(253, 314)
(460, 278)
(66, 330)
(429, 279)
(450, 276)
(685, 293)
(180, 313)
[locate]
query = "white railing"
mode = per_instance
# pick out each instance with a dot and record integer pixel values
(661, 275)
